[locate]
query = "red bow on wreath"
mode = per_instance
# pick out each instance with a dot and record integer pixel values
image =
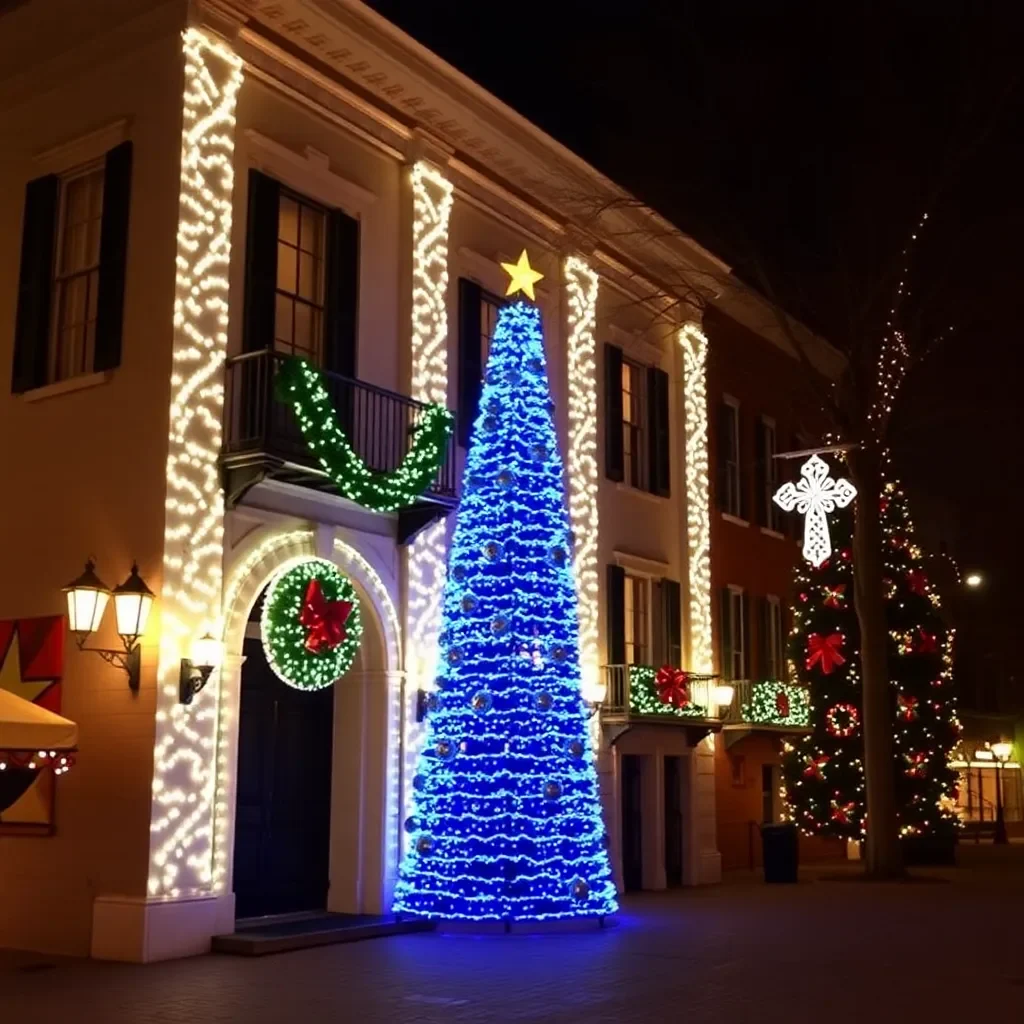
(673, 686)
(324, 619)
(917, 580)
(825, 650)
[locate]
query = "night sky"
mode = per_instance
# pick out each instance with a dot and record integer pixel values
(807, 143)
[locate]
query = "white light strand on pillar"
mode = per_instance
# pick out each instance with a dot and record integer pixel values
(184, 769)
(698, 516)
(581, 285)
(433, 196)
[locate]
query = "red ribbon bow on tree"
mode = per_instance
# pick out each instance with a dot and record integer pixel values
(324, 619)
(907, 707)
(673, 686)
(925, 643)
(917, 580)
(826, 651)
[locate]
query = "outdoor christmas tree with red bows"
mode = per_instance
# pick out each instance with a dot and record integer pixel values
(824, 772)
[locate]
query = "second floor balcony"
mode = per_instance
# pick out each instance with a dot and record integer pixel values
(769, 705)
(262, 440)
(638, 693)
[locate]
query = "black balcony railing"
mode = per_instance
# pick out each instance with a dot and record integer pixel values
(632, 693)
(262, 438)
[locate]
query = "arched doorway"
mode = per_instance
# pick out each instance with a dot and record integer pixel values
(312, 814)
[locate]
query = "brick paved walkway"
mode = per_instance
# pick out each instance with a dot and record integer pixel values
(946, 948)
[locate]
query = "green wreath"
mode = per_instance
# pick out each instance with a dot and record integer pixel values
(301, 386)
(311, 624)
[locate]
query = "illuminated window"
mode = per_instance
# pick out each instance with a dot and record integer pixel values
(637, 621)
(77, 274)
(299, 305)
(635, 459)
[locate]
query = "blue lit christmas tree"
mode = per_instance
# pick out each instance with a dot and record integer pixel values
(507, 822)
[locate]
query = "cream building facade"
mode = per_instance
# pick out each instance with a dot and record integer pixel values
(300, 177)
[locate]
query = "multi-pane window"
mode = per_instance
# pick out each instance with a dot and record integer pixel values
(490, 307)
(637, 625)
(731, 476)
(301, 255)
(635, 461)
(774, 642)
(734, 646)
(77, 274)
(769, 475)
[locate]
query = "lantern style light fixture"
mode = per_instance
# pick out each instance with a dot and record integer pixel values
(724, 693)
(87, 598)
(206, 655)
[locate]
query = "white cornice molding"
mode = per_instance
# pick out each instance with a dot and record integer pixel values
(308, 172)
(82, 149)
(651, 567)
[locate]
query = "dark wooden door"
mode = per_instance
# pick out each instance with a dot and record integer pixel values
(632, 823)
(673, 821)
(283, 813)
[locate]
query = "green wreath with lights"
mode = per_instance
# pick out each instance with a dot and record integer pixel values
(301, 386)
(311, 624)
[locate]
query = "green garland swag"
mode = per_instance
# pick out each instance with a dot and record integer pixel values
(300, 385)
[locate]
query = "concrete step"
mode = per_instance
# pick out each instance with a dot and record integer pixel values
(283, 936)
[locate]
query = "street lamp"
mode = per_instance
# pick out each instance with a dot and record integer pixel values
(87, 598)
(1001, 751)
(974, 580)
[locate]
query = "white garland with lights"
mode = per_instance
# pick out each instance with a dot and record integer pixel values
(181, 852)
(698, 512)
(582, 288)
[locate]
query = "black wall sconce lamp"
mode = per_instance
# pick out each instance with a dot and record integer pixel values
(87, 598)
(207, 654)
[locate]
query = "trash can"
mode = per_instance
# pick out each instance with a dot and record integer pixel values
(781, 852)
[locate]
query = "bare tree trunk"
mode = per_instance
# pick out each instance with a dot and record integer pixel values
(884, 856)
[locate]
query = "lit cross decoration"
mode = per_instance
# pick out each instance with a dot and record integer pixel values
(814, 496)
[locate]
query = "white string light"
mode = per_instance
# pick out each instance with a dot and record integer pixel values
(582, 287)
(698, 514)
(184, 755)
(433, 197)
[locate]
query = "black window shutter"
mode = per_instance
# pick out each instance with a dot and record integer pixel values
(725, 633)
(760, 474)
(764, 637)
(673, 622)
(613, 461)
(794, 521)
(747, 611)
(471, 369)
(260, 262)
(32, 322)
(658, 429)
(117, 194)
(744, 502)
(341, 330)
(723, 449)
(616, 612)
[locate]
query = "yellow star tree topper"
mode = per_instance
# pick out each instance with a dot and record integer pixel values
(523, 276)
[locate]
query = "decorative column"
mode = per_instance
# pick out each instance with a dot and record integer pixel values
(705, 864)
(184, 764)
(432, 195)
(581, 284)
